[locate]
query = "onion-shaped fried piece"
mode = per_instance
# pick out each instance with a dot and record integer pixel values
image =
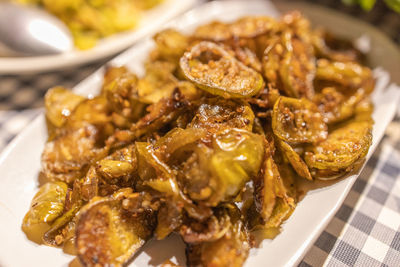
(214, 70)
(111, 73)
(236, 159)
(298, 121)
(295, 160)
(215, 114)
(95, 111)
(335, 106)
(120, 165)
(298, 24)
(215, 227)
(193, 171)
(289, 64)
(160, 114)
(122, 96)
(171, 45)
(107, 234)
(54, 236)
(281, 212)
(115, 168)
(46, 206)
(176, 140)
(151, 167)
(87, 187)
(68, 157)
(100, 183)
(349, 74)
(343, 147)
(269, 188)
(271, 60)
(248, 58)
(158, 82)
(246, 27)
(264, 192)
(297, 68)
(159, 176)
(289, 179)
(231, 249)
(60, 103)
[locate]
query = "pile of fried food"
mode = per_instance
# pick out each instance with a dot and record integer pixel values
(91, 20)
(209, 144)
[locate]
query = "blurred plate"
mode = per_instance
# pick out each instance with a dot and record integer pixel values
(148, 25)
(20, 165)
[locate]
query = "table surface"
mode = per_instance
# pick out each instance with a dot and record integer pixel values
(366, 229)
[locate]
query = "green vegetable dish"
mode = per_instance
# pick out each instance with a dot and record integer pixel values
(91, 20)
(211, 143)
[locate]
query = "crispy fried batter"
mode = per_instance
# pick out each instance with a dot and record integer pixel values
(235, 114)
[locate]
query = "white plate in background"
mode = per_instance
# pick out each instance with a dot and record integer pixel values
(20, 165)
(152, 20)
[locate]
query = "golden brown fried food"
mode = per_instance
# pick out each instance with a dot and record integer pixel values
(269, 190)
(171, 45)
(47, 205)
(348, 74)
(60, 103)
(234, 115)
(289, 63)
(343, 147)
(231, 249)
(69, 156)
(295, 160)
(214, 70)
(298, 121)
(215, 114)
(336, 106)
(109, 235)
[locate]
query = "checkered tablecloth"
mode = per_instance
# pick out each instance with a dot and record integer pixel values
(366, 229)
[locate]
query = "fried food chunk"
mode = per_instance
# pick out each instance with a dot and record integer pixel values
(68, 156)
(349, 74)
(60, 103)
(336, 106)
(236, 114)
(215, 114)
(107, 234)
(298, 121)
(47, 205)
(295, 160)
(214, 70)
(343, 147)
(289, 64)
(231, 249)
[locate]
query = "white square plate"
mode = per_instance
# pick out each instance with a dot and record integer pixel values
(20, 166)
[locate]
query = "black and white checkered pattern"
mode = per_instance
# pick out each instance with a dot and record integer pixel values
(366, 229)
(27, 91)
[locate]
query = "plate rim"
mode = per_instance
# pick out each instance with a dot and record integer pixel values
(295, 258)
(107, 47)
